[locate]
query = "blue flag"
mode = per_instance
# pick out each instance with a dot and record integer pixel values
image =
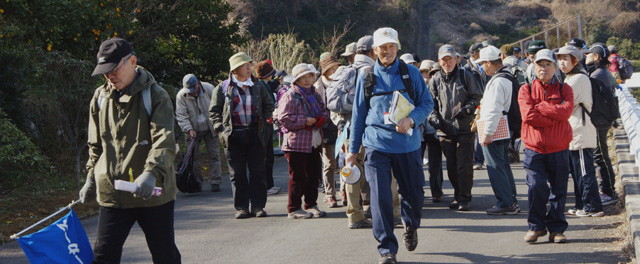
(62, 242)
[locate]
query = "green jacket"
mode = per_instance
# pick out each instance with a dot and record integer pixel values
(122, 136)
(220, 110)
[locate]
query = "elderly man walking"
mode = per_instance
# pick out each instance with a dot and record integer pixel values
(192, 114)
(389, 147)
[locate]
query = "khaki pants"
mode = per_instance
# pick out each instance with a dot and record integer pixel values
(212, 143)
(329, 170)
(359, 192)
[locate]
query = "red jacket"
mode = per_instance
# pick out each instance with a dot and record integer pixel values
(545, 116)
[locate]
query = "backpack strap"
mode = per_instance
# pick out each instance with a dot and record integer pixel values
(370, 83)
(406, 80)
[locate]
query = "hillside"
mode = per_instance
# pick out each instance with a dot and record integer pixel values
(424, 25)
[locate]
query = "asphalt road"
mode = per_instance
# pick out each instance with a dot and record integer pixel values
(206, 232)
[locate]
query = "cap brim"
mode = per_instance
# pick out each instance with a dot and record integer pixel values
(346, 54)
(385, 41)
(545, 58)
(452, 55)
(104, 68)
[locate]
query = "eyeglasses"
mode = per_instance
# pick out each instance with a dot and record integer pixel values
(122, 63)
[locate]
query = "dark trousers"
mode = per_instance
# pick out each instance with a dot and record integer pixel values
(584, 180)
(478, 155)
(156, 222)
(407, 169)
(547, 177)
(305, 170)
(246, 151)
(500, 175)
(601, 155)
(434, 154)
(459, 153)
(269, 158)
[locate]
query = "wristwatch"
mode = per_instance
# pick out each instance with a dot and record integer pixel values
(413, 123)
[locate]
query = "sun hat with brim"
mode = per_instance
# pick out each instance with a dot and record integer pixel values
(238, 60)
(110, 54)
(302, 69)
(490, 53)
(435, 68)
(327, 63)
(570, 50)
(426, 65)
(407, 58)
(350, 50)
(545, 54)
(447, 50)
(385, 35)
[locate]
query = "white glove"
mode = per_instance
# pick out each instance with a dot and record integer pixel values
(146, 181)
(88, 191)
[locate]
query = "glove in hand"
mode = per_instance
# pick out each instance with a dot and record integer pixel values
(88, 191)
(146, 181)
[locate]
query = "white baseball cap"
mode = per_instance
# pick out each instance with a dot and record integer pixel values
(385, 35)
(545, 54)
(407, 58)
(490, 53)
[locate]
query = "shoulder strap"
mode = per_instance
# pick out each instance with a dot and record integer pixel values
(146, 99)
(369, 83)
(406, 79)
(225, 86)
(101, 100)
(463, 78)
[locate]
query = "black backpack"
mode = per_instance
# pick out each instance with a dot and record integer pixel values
(604, 109)
(185, 177)
(513, 115)
(370, 82)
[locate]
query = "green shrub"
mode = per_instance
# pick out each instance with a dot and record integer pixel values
(20, 160)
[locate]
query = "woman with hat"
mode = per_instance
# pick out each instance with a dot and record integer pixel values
(302, 112)
(240, 108)
(584, 134)
(597, 67)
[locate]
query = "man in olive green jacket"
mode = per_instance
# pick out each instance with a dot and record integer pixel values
(240, 108)
(131, 138)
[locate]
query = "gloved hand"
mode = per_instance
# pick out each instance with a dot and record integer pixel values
(435, 121)
(319, 121)
(464, 111)
(146, 181)
(88, 191)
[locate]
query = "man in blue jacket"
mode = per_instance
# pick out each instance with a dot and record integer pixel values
(389, 147)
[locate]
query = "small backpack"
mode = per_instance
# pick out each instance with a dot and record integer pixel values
(341, 92)
(518, 73)
(513, 115)
(370, 82)
(604, 109)
(625, 68)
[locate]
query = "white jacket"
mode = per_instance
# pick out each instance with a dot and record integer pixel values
(496, 99)
(584, 133)
(192, 113)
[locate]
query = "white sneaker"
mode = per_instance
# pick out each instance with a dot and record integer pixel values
(273, 190)
(573, 211)
(583, 213)
(300, 214)
(425, 161)
(316, 212)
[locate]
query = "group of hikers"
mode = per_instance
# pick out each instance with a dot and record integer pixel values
(475, 114)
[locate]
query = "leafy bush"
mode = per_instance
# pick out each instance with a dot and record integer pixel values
(20, 160)
(626, 48)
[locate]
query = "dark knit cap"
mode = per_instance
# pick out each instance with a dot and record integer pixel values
(264, 70)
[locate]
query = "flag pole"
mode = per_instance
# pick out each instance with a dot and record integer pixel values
(15, 236)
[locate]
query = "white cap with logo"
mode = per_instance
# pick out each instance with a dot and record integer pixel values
(385, 35)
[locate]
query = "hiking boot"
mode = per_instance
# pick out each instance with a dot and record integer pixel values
(437, 199)
(583, 213)
(477, 166)
(300, 214)
(242, 213)
(410, 238)
(331, 201)
(366, 223)
(216, 188)
(258, 212)
(511, 210)
(532, 236)
(454, 205)
(557, 237)
(273, 190)
(343, 197)
(316, 212)
(608, 200)
(464, 206)
(387, 258)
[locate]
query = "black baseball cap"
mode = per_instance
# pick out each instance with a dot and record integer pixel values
(110, 54)
(578, 43)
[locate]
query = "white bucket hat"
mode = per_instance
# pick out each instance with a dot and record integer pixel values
(302, 69)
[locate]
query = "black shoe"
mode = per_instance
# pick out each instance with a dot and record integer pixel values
(215, 187)
(454, 205)
(410, 238)
(464, 206)
(388, 258)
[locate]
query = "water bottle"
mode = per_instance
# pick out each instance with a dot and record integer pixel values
(350, 174)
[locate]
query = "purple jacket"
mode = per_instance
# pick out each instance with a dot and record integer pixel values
(292, 116)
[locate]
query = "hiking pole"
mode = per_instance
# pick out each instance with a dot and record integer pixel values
(15, 236)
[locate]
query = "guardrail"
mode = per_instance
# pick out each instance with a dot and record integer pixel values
(630, 114)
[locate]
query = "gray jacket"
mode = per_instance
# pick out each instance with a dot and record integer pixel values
(192, 112)
(449, 90)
